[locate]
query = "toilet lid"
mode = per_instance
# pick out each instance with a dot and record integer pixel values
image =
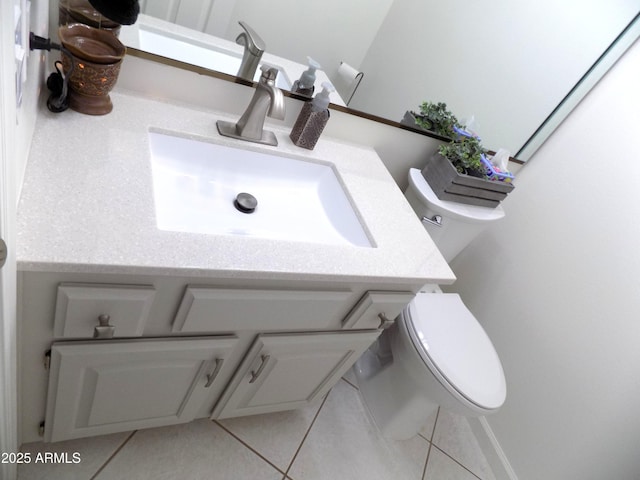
(450, 340)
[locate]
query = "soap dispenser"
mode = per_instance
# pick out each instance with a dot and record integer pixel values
(312, 119)
(304, 85)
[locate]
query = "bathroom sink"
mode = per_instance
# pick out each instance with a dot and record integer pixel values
(196, 186)
(201, 54)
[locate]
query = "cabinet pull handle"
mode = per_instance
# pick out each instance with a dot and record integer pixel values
(212, 376)
(385, 322)
(255, 375)
(104, 330)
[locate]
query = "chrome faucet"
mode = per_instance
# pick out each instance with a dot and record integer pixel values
(253, 49)
(267, 100)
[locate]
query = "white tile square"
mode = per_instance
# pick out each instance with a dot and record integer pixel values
(196, 451)
(454, 436)
(276, 436)
(344, 444)
(441, 467)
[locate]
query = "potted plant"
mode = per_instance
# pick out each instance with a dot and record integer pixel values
(458, 172)
(434, 117)
(466, 156)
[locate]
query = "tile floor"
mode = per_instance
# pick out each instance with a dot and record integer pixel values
(335, 440)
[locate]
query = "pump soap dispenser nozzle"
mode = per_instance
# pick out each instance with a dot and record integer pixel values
(304, 85)
(321, 101)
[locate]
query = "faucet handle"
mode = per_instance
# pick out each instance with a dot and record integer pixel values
(250, 39)
(268, 72)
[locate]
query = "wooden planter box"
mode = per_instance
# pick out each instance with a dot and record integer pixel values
(450, 185)
(410, 121)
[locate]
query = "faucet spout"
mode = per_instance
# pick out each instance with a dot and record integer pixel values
(267, 100)
(254, 47)
(276, 104)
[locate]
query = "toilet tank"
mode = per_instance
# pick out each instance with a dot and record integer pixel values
(460, 223)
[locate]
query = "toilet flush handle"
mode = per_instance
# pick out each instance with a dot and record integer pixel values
(435, 220)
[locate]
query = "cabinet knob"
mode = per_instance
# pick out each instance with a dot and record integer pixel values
(256, 374)
(104, 330)
(385, 322)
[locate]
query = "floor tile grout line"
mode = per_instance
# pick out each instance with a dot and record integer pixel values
(435, 424)
(248, 446)
(348, 382)
(295, 455)
(113, 455)
(452, 458)
(426, 461)
(430, 440)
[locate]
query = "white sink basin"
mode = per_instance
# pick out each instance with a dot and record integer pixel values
(195, 184)
(206, 56)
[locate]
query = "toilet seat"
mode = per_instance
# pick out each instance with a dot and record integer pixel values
(455, 347)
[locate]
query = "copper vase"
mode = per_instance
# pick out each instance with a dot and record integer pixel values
(96, 56)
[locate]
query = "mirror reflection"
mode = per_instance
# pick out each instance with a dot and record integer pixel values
(504, 66)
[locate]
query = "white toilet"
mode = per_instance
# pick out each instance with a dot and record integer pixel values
(436, 354)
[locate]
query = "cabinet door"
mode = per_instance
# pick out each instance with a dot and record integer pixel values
(284, 372)
(104, 387)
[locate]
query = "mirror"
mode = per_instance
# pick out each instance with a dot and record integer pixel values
(507, 65)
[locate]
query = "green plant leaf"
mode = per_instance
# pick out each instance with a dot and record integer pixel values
(465, 155)
(436, 118)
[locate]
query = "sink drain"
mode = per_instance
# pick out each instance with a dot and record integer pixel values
(245, 202)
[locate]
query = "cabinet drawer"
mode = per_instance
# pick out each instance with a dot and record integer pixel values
(374, 306)
(205, 309)
(79, 306)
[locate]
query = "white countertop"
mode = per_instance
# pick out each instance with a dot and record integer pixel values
(87, 207)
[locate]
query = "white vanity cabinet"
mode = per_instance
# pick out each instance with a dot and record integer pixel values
(176, 350)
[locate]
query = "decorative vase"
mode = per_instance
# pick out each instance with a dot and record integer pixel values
(81, 11)
(92, 66)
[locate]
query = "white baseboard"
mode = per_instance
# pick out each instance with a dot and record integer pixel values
(491, 448)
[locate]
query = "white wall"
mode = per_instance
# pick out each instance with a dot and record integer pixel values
(35, 82)
(556, 287)
(16, 128)
(8, 347)
(415, 44)
(330, 32)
